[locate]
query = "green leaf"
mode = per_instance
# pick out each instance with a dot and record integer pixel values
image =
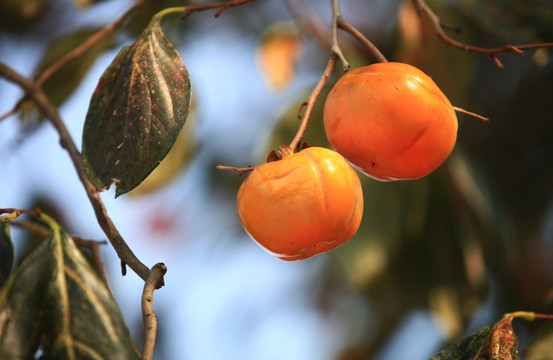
(494, 342)
(55, 299)
(6, 252)
(136, 112)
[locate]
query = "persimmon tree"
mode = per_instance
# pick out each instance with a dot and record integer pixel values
(303, 201)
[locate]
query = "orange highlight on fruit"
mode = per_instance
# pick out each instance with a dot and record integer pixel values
(305, 204)
(390, 120)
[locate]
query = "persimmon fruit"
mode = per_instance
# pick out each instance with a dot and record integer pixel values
(305, 204)
(391, 121)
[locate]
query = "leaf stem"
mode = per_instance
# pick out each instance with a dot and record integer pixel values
(171, 10)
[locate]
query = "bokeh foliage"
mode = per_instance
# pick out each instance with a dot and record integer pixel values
(473, 228)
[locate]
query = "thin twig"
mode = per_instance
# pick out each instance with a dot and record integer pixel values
(222, 6)
(312, 25)
(153, 281)
(334, 47)
(466, 112)
(239, 170)
(75, 53)
(81, 49)
(51, 113)
(10, 112)
(309, 104)
(491, 52)
(309, 22)
(342, 24)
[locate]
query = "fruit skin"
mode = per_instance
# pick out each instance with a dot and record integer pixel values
(390, 120)
(305, 204)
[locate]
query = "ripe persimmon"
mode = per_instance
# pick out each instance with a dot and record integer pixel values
(390, 120)
(304, 204)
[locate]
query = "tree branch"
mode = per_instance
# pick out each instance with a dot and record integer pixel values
(422, 7)
(309, 104)
(309, 22)
(51, 113)
(76, 52)
(153, 281)
(342, 24)
(222, 6)
(334, 46)
(81, 49)
(312, 25)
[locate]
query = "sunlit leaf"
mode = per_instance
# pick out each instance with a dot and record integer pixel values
(136, 112)
(55, 300)
(63, 83)
(494, 342)
(6, 252)
(173, 164)
(278, 52)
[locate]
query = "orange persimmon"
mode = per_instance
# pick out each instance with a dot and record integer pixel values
(307, 203)
(390, 120)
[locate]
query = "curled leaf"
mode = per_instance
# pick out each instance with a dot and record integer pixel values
(136, 112)
(494, 342)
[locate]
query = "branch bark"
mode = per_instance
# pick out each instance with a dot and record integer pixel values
(422, 7)
(51, 113)
(153, 282)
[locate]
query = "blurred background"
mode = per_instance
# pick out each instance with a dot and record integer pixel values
(435, 259)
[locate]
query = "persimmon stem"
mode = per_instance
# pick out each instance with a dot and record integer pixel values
(309, 104)
(422, 7)
(466, 112)
(239, 170)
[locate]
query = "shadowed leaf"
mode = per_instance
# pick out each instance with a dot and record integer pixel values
(6, 252)
(55, 299)
(65, 81)
(20, 15)
(494, 342)
(136, 112)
